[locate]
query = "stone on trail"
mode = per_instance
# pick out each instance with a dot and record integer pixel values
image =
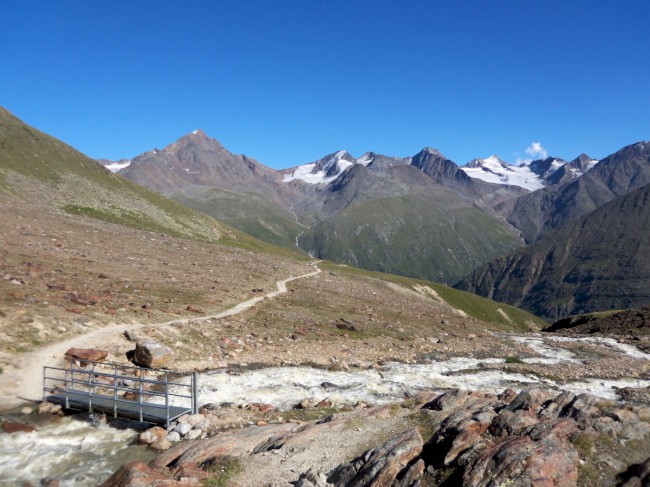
(152, 354)
(86, 355)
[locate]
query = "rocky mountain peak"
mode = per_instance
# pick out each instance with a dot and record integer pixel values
(430, 151)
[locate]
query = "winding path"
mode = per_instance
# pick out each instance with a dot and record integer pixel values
(26, 383)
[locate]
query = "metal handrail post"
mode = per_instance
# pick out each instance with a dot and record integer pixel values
(195, 392)
(166, 401)
(90, 391)
(67, 385)
(140, 395)
(115, 392)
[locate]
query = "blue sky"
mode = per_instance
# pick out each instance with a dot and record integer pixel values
(287, 82)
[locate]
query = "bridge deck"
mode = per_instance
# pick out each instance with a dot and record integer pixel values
(151, 413)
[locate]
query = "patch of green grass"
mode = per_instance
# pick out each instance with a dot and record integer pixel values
(475, 306)
(513, 360)
(584, 443)
(120, 217)
(221, 470)
(423, 236)
(310, 414)
(424, 423)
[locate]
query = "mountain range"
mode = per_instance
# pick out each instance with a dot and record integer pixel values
(549, 250)
(423, 215)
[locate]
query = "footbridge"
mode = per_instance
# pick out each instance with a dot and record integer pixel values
(149, 395)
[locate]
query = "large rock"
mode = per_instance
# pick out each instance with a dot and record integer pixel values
(86, 355)
(138, 474)
(150, 353)
(551, 462)
(398, 458)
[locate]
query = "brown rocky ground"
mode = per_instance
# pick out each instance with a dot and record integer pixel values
(474, 438)
(68, 281)
(75, 282)
(630, 322)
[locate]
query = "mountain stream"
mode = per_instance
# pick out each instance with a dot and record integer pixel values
(79, 454)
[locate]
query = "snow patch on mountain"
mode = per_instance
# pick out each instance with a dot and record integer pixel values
(493, 170)
(531, 175)
(116, 166)
(327, 169)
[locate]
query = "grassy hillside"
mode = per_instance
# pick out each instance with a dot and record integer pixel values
(410, 236)
(249, 212)
(506, 317)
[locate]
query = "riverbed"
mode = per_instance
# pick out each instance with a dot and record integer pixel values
(80, 454)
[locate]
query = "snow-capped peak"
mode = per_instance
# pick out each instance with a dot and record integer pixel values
(327, 169)
(366, 159)
(494, 170)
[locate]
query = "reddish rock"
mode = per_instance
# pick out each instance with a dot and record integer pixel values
(265, 408)
(151, 435)
(512, 423)
(189, 470)
(507, 396)
(16, 427)
(161, 444)
(530, 399)
(518, 460)
(86, 355)
(454, 398)
(325, 403)
(383, 465)
(139, 474)
(461, 443)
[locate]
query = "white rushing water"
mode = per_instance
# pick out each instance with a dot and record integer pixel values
(79, 454)
(284, 387)
(71, 450)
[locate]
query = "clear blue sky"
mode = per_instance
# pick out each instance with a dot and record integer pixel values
(287, 82)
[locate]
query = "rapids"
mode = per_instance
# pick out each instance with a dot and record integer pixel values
(79, 454)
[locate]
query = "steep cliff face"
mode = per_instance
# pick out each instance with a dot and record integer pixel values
(601, 261)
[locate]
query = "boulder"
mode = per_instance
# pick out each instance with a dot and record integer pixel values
(139, 474)
(152, 354)
(146, 438)
(636, 475)
(519, 459)
(161, 444)
(183, 429)
(397, 458)
(84, 355)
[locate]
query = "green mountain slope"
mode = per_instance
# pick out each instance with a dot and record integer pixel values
(410, 236)
(33, 163)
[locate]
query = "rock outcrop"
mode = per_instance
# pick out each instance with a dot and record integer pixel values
(536, 437)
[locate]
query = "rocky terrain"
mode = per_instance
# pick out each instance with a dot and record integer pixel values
(535, 437)
(629, 322)
(113, 267)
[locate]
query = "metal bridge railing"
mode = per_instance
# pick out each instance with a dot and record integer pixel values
(122, 389)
